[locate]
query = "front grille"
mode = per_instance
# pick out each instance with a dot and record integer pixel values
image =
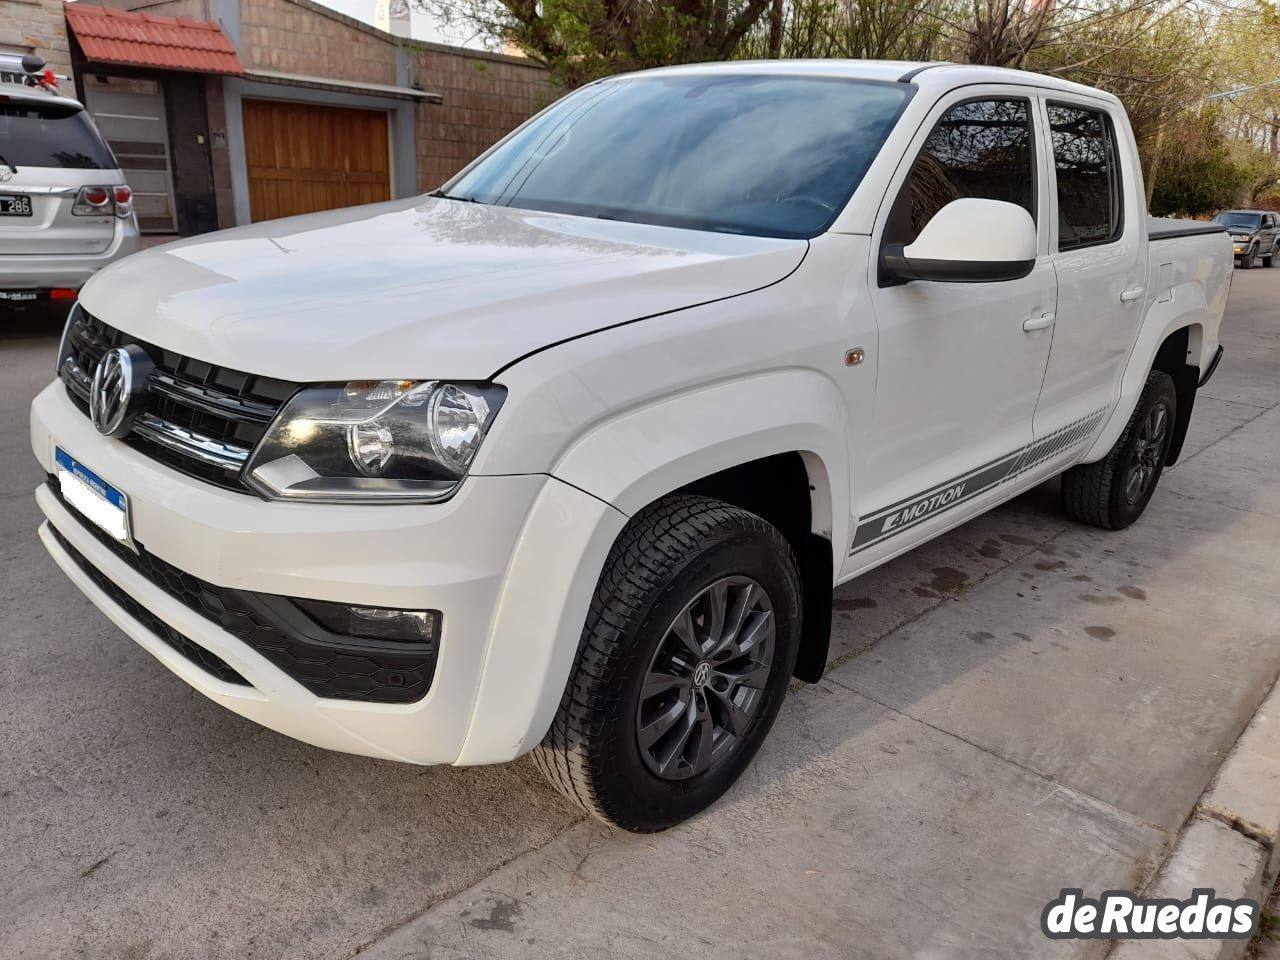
(199, 419)
(209, 662)
(328, 664)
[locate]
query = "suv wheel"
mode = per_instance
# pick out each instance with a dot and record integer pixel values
(1248, 258)
(1113, 492)
(1270, 259)
(684, 660)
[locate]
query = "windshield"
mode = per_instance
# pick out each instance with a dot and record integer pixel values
(50, 135)
(1249, 221)
(774, 156)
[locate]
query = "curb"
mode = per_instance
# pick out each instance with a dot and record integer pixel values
(1228, 843)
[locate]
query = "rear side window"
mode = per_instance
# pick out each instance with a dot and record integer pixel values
(982, 148)
(1085, 161)
(50, 135)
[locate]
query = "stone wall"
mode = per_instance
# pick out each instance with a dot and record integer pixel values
(36, 26)
(485, 97)
(298, 37)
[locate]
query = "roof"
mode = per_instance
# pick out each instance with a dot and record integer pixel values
(330, 83)
(935, 76)
(146, 40)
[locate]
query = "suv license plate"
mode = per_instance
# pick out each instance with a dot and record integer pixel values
(14, 206)
(93, 497)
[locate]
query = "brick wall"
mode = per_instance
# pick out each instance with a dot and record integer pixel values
(36, 26)
(293, 37)
(485, 97)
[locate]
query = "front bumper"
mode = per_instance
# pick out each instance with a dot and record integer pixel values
(66, 271)
(509, 561)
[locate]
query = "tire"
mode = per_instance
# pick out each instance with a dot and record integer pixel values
(1109, 494)
(674, 556)
(1246, 262)
(1270, 259)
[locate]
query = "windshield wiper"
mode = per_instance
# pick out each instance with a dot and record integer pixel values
(5, 161)
(442, 195)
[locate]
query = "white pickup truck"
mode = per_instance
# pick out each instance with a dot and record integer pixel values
(569, 455)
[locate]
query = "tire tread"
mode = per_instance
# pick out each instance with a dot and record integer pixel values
(657, 538)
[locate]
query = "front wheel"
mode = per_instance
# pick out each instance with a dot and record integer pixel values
(1248, 258)
(1113, 492)
(684, 660)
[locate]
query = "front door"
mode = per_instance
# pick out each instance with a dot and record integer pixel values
(958, 375)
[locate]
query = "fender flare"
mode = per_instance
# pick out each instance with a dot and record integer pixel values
(644, 453)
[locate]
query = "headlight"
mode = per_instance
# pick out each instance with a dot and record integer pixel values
(380, 441)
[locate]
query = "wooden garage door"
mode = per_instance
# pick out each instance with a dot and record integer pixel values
(304, 158)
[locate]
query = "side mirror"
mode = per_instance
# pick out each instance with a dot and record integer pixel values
(970, 240)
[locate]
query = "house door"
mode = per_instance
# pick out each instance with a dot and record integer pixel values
(304, 157)
(130, 114)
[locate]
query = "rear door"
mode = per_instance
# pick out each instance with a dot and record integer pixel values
(49, 150)
(1099, 251)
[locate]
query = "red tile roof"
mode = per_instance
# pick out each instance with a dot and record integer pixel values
(145, 40)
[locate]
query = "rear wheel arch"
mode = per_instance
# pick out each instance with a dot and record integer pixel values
(1179, 357)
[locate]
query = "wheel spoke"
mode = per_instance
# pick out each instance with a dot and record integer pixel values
(742, 605)
(732, 717)
(716, 603)
(670, 757)
(753, 674)
(657, 683)
(705, 735)
(757, 631)
(684, 629)
(656, 728)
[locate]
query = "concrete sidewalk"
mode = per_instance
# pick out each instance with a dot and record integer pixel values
(1029, 726)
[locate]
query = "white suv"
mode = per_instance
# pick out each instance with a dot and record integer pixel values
(568, 456)
(65, 209)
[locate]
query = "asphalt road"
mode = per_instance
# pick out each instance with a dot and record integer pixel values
(1021, 705)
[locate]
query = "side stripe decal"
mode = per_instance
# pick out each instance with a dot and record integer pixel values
(891, 520)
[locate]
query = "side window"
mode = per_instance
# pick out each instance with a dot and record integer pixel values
(982, 148)
(1085, 160)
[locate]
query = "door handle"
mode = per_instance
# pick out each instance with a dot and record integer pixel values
(1132, 293)
(1042, 322)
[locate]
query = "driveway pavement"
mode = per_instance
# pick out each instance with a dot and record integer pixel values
(1020, 706)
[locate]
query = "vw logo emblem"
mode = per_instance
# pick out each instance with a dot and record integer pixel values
(701, 674)
(5, 175)
(119, 384)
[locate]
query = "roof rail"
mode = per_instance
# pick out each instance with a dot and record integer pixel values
(28, 69)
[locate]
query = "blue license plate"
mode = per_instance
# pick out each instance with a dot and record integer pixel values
(92, 496)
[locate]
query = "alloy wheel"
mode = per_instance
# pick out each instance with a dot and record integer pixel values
(707, 679)
(1148, 454)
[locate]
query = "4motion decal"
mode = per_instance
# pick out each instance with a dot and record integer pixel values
(888, 521)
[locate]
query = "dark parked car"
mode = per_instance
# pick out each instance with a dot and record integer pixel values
(1254, 234)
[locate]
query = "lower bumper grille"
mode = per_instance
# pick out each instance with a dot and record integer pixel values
(329, 665)
(210, 663)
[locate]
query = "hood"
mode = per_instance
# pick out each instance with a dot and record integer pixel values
(417, 289)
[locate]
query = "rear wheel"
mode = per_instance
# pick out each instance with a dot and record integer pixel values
(684, 661)
(1113, 492)
(1270, 259)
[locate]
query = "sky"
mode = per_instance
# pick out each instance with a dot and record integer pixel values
(421, 26)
